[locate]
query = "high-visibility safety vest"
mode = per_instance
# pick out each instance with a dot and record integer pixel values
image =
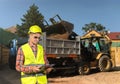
(30, 59)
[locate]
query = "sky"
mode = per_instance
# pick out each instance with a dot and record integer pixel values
(78, 12)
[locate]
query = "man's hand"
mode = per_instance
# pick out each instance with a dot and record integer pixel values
(36, 69)
(48, 70)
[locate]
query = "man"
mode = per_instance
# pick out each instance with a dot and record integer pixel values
(96, 44)
(30, 59)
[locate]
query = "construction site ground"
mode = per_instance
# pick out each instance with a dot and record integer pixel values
(8, 76)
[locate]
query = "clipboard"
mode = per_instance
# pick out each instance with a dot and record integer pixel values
(44, 67)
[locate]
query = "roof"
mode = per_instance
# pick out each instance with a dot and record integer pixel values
(91, 33)
(12, 29)
(114, 35)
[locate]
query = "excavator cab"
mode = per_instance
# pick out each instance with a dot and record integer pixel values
(94, 46)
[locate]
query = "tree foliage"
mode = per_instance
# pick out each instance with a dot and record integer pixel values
(6, 36)
(93, 26)
(32, 17)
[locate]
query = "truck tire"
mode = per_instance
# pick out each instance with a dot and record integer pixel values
(84, 69)
(104, 63)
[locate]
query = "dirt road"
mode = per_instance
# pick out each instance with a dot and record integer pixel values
(8, 76)
(96, 78)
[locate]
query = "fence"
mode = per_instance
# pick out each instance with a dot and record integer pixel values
(4, 55)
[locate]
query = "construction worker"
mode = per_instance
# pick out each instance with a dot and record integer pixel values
(96, 44)
(31, 59)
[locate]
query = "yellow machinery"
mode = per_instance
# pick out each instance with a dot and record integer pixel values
(103, 53)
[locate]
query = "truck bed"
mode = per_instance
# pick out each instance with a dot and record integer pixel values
(61, 47)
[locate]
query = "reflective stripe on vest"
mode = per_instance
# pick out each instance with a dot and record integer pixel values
(32, 75)
(29, 58)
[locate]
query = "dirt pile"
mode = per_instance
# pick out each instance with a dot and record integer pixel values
(59, 36)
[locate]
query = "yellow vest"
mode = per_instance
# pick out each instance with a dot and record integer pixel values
(30, 59)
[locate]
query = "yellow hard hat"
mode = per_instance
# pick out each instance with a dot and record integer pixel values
(35, 29)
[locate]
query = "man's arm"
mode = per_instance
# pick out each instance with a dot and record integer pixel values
(48, 67)
(20, 61)
(45, 58)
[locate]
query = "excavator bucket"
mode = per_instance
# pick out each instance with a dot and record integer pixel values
(59, 27)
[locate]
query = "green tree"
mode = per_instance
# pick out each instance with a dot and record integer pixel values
(93, 26)
(6, 36)
(32, 17)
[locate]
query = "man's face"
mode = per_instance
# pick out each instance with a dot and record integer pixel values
(34, 38)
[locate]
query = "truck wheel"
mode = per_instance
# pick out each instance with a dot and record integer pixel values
(104, 64)
(84, 69)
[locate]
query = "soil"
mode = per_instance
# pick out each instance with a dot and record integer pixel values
(111, 77)
(8, 76)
